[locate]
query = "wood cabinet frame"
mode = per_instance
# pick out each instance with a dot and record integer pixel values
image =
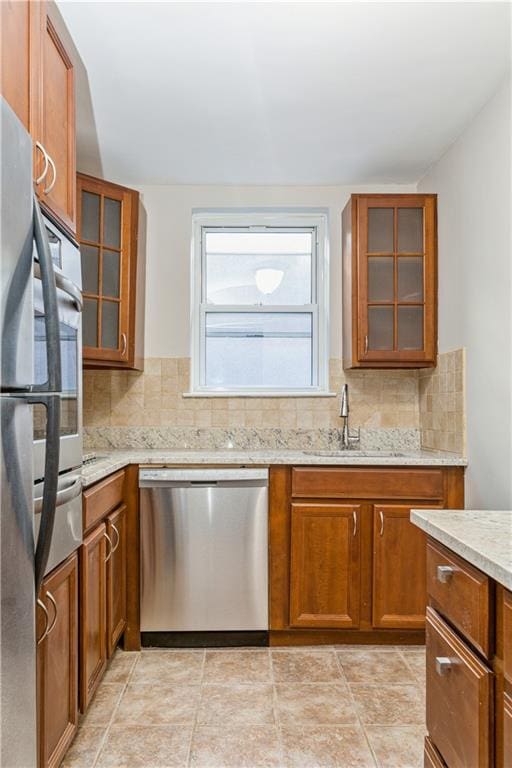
(129, 352)
(355, 284)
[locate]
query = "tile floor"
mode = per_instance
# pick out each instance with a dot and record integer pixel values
(343, 707)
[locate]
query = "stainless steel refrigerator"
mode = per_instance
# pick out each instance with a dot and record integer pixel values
(24, 246)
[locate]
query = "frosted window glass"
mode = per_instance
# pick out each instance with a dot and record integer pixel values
(259, 350)
(381, 278)
(380, 230)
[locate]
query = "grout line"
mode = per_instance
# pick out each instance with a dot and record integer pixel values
(114, 711)
(196, 716)
(356, 710)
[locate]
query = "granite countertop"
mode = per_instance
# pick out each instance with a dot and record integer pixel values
(483, 538)
(99, 464)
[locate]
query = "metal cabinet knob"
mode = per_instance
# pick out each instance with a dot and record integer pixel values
(443, 665)
(444, 573)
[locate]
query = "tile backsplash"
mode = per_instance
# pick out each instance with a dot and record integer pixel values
(442, 404)
(127, 409)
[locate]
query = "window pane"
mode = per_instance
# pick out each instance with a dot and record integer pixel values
(258, 268)
(410, 278)
(90, 259)
(380, 328)
(90, 323)
(410, 230)
(381, 278)
(90, 217)
(380, 230)
(252, 349)
(110, 325)
(111, 273)
(410, 327)
(112, 222)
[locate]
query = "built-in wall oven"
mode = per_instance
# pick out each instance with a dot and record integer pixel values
(67, 531)
(66, 264)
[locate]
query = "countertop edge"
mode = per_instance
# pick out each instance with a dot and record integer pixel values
(465, 549)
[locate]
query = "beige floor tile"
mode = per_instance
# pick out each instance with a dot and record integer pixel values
(223, 705)
(120, 667)
(389, 704)
(169, 667)
(255, 746)
(316, 704)
(373, 666)
(145, 747)
(299, 666)
(156, 704)
(398, 747)
(237, 667)
(341, 746)
(103, 704)
(416, 661)
(84, 748)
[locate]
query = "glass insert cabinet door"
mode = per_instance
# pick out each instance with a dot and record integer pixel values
(396, 268)
(107, 235)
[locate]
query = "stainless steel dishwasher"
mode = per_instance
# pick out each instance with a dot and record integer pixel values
(204, 551)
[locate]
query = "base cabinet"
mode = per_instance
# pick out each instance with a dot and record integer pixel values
(399, 594)
(325, 562)
(102, 599)
(93, 613)
(57, 663)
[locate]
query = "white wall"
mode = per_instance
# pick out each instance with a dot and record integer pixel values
(472, 181)
(169, 230)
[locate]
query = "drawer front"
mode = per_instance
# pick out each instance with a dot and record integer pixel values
(356, 483)
(431, 757)
(459, 698)
(507, 636)
(102, 498)
(461, 593)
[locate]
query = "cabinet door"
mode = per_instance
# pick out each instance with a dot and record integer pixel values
(93, 613)
(57, 190)
(57, 664)
(507, 730)
(116, 578)
(396, 257)
(399, 596)
(107, 231)
(325, 565)
(20, 30)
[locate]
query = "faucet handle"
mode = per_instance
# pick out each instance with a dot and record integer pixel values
(355, 437)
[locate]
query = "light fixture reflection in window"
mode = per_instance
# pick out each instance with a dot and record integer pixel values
(268, 280)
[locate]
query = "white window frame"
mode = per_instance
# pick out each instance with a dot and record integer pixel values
(260, 221)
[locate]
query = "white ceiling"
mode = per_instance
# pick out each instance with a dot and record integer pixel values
(281, 93)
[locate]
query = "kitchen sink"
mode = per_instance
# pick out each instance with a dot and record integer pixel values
(357, 454)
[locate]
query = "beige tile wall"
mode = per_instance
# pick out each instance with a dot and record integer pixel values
(154, 398)
(442, 404)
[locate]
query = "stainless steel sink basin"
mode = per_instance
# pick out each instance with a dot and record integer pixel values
(357, 454)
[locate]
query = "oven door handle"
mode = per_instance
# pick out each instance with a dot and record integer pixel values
(51, 481)
(51, 308)
(65, 284)
(65, 494)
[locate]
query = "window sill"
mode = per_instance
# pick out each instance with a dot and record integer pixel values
(284, 393)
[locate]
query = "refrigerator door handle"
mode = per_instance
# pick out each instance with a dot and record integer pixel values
(51, 309)
(51, 482)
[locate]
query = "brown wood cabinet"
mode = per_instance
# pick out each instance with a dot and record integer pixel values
(93, 613)
(103, 580)
(346, 565)
(116, 578)
(112, 274)
(57, 663)
(399, 569)
(38, 82)
(390, 281)
(324, 565)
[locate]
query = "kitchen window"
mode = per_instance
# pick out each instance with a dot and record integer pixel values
(260, 305)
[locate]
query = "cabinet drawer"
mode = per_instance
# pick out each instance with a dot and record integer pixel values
(459, 698)
(431, 757)
(311, 482)
(507, 635)
(102, 498)
(461, 593)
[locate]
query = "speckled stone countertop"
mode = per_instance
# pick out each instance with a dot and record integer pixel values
(483, 538)
(101, 463)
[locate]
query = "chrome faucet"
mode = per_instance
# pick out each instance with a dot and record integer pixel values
(346, 438)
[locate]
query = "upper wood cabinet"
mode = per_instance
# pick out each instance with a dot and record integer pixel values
(325, 565)
(390, 281)
(112, 274)
(57, 190)
(38, 82)
(57, 663)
